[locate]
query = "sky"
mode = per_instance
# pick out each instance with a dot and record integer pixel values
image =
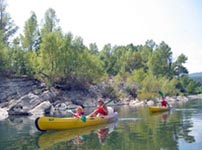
(120, 22)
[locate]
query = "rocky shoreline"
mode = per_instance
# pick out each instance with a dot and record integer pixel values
(27, 97)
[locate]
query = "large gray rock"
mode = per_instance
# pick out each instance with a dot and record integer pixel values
(21, 96)
(18, 110)
(14, 88)
(40, 109)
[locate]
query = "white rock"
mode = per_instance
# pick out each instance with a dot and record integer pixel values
(39, 110)
(150, 102)
(3, 114)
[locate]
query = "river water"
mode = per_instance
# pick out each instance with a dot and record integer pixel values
(136, 129)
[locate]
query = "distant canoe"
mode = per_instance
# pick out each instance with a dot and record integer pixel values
(158, 108)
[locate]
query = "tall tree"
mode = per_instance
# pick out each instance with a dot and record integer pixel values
(52, 42)
(17, 59)
(93, 48)
(105, 55)
(161, 60)
(133, 62)
(50, 21)
(146, 53)
(50, 53)
(3, 54)
(7, 26)
(177, 66)
(119, 58)
(30, 40)
(151, 44)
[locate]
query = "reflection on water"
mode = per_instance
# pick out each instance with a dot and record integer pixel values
(75, 136)
(136, 129)
(17, 133)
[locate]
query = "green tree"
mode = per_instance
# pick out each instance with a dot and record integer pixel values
(50, 54)
(150, 44)
(187, 85)
(133, 62)
(177, 66)
(17, 61)
(30, 40)
(191, 87)
(93, 48)
(87, 67)
(7, 29)
(7, 26)
(118, 60)
(105, 57)
(3, 53)
(146, 52)
(149, 87)
(161, 60)
(139, 75)
(51, 43)
(50, 22)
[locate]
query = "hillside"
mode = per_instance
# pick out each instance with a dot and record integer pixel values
(196, 76)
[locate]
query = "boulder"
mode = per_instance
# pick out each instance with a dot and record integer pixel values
(40, 109)
(3, 114)
(150, 102)
(18, 110)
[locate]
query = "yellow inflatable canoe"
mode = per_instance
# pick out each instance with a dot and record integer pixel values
(54, 123)
(158, 108)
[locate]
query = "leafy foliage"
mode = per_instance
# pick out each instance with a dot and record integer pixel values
(57, 58)
(31, 37)
(7, 26)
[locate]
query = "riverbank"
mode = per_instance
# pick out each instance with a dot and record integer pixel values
(29, 97)
(22, 96)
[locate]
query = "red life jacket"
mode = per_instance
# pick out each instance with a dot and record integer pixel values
(101, 111)
(164, 103)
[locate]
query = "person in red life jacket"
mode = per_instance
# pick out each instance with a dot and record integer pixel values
(164, 103)
(101, 109)
(79, 112)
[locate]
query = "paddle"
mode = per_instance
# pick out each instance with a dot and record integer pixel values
(161, 94)
(82, 117)
(109, 101)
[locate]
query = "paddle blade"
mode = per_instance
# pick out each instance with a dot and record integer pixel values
(109, 101)
(83, 118)
(161, 93)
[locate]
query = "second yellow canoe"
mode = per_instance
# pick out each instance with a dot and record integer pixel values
(158, 108)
